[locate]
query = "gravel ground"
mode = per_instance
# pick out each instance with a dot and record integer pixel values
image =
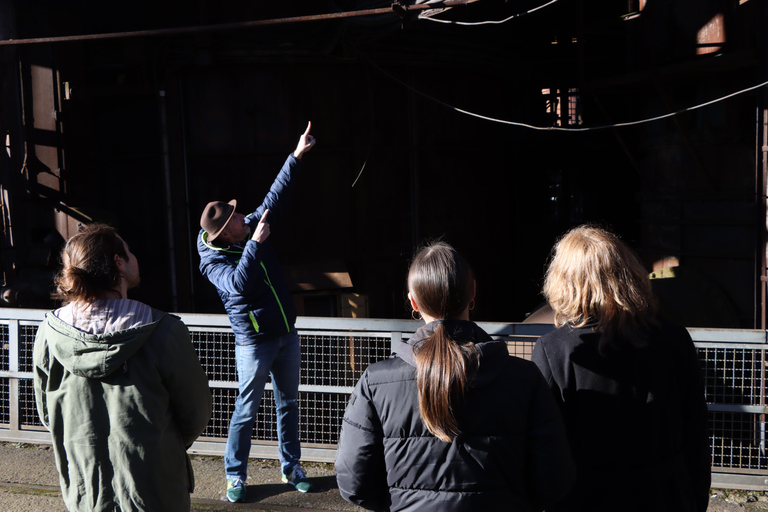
(725, 500)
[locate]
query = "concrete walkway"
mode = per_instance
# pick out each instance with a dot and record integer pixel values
(29, 483)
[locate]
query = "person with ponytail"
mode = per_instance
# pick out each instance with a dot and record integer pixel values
(628, 382)
(451, 422)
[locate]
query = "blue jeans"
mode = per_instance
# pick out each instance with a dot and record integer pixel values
(281, 358)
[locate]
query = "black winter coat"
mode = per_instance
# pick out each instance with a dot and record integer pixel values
(636, 420)
(511, 455)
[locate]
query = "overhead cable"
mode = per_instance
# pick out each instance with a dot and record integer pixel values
(428, 17)
(563, 129)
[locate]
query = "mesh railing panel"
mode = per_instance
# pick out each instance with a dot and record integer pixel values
(734, 380)
(5, 347)
(735, 376)
(26, 343)
(327, 360)
(518, 347)
(5, 401)
(216, 351)
(223, 405)
(321, 416)
(27, 408)
(339, 360)
(732, 375)
(736, 440)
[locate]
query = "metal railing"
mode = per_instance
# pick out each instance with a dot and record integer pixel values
(335, 351)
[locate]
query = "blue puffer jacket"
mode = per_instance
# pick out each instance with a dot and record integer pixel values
(248, 276)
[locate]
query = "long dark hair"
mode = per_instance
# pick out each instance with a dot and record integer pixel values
(88, 264)
(441, 283)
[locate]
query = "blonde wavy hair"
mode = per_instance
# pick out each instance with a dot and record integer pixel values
(593, 277)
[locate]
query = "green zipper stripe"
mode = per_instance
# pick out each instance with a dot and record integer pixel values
(253, 321)
(274, 292)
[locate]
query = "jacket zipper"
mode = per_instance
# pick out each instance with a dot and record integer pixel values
(267, 280)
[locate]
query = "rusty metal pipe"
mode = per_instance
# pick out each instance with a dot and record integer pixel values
(396, 7)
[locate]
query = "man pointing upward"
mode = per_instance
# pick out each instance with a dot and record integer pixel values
(237, 258)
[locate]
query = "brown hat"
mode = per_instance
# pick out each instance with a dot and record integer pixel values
(215, 217)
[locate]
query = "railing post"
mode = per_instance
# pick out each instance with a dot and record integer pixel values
(394, 339)
(761, 394)
(14, 397)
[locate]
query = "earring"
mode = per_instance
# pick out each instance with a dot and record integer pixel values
(414, 313)
(472, 304)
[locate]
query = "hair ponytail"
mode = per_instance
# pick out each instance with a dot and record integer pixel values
(442, 366)
(442, 283)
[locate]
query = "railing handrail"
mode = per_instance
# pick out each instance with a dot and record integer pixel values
(386, 325)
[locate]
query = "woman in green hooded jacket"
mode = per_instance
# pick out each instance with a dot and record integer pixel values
(118, 384)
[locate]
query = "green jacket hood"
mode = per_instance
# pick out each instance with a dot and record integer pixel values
(95, 356)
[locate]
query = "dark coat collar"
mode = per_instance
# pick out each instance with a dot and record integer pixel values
(492, 353)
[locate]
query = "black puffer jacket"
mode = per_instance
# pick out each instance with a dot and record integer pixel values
(512, 453)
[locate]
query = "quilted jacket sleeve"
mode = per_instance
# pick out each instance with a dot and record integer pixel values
(278, 194)
(235, 277)
(360, 469)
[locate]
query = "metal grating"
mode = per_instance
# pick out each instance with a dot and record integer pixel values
(27, 408)
(733, 375)
(265, 428)
(520, 347)
(321, 416)
(5, 401)
(223, 405)
(335, 359)
(735, 379)
(26, 343)
(216, 351)
(4, 336)
(339, 359)
(735, 439)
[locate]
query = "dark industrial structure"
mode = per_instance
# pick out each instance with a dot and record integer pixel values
(643, 115)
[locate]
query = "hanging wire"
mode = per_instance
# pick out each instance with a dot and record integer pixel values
(561, 129)
(428, 17)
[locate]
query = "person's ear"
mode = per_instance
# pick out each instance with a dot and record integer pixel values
(413, 302)
(119, 263)
(474, 288)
